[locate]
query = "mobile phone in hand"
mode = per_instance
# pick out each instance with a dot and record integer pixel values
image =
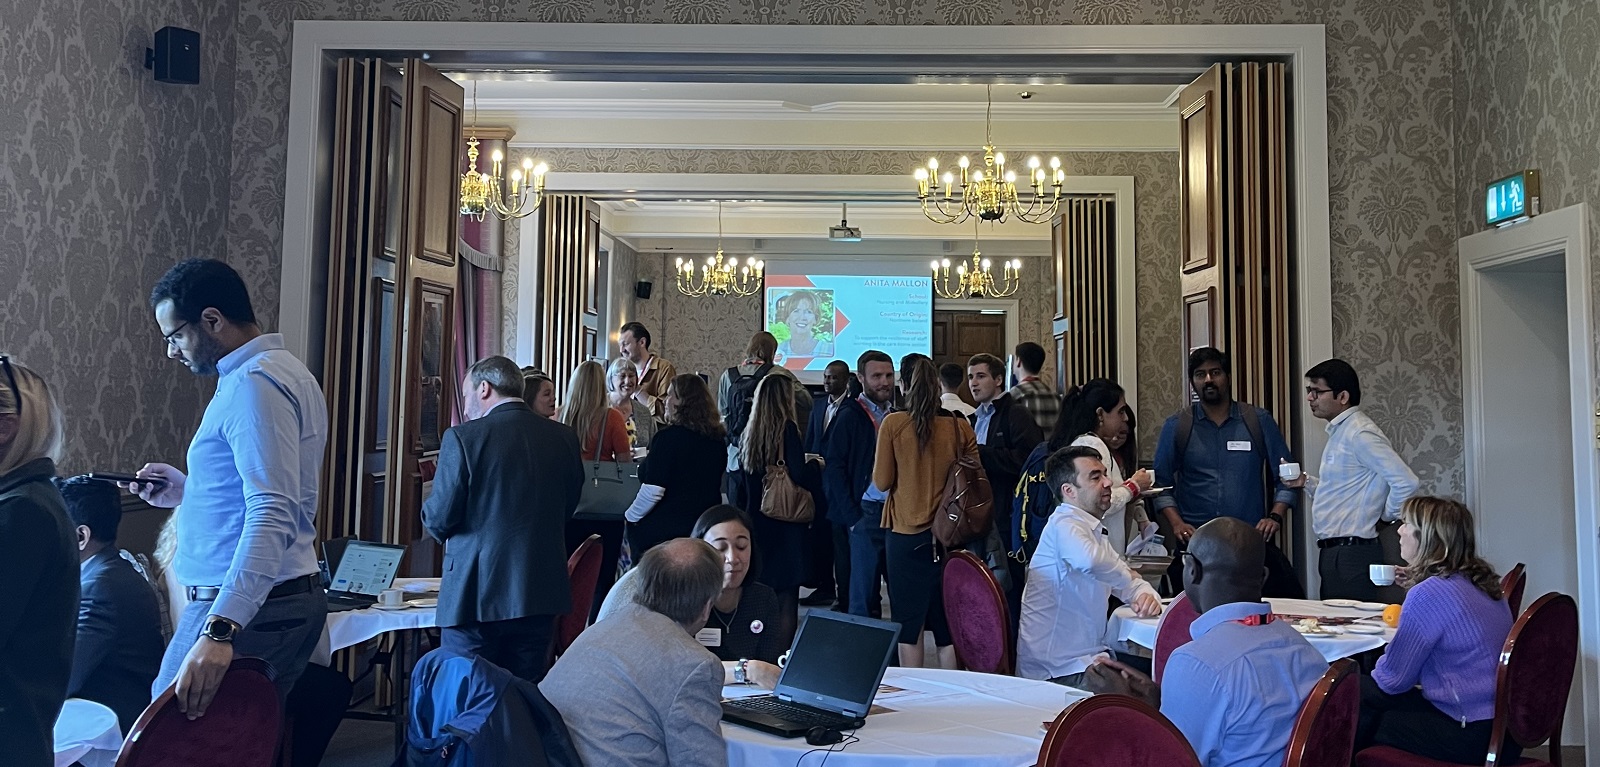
(112, 476)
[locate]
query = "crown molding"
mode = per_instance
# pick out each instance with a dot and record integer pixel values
(725, 109)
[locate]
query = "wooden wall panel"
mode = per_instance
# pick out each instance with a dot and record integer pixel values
(1084, 239)
(569, 234)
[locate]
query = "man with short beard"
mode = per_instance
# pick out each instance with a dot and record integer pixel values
(246, 533)
(853, 501)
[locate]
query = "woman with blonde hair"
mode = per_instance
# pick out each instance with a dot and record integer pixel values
(1453, 626)
(604, 437)
(771, 435)
(38, 544)
(682, 476)
(622, 382)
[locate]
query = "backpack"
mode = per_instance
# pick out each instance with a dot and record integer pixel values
(1032, 502)
(966, 506)
(1247, 413)
(742, 396)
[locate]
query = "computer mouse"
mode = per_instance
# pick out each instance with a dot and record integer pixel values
(823, 736)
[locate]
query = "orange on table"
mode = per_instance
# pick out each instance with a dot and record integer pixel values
(1391, 616)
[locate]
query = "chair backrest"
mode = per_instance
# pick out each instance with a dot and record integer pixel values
(1324, 733)
(980, 621)
(1513, 585)
(1172, 633)
(240, 727)
(583, 570)
(1114, 731)
(1535, 676)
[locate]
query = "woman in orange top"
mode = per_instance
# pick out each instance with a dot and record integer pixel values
(916, 448)
(604, 435)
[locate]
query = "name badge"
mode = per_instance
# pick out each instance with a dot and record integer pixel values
(709, 637)
(1241, 445)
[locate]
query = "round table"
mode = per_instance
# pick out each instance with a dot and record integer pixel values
(86, 732)
(1126, 627)
(945, 718)
(348, 628)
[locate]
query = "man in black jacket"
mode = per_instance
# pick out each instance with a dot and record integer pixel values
(119, 645)
(507, 482)
(1007, 433)
(847, 478)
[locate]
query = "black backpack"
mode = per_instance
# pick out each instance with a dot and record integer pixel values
(742, 395)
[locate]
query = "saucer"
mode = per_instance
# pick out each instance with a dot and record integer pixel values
(392, 607)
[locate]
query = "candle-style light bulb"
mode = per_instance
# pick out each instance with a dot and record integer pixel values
(963, 162)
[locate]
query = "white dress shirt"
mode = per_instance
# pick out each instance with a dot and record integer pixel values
(1070, 578)
(953, 403)
(1362, 480)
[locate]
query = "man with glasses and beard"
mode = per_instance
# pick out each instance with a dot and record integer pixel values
(246, 531)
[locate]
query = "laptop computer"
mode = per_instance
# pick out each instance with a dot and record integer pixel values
(361, 570)
(833, 673)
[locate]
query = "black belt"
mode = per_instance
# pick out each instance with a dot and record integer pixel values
(286, 589)
(1349, 540)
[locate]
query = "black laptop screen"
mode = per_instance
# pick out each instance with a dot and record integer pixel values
(838, 659)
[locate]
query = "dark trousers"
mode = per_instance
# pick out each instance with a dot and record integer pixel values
(518, 645)
(283, 633)
(578, 531)
(1346, 572)
(866, 560)
(840, 537)
(819, 547)
(916, 595)
(1410, 723)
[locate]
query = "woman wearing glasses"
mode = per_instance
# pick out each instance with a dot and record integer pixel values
(39, 563)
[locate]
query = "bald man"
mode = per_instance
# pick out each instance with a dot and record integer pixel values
(1235, 690)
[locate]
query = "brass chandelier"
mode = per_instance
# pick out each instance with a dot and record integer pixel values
(482, 193)
(720, 277)
(990, 192)
(975, 281)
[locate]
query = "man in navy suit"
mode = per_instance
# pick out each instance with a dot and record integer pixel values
(847, 478)
(119, 645)
(830, 543)
(507, 482)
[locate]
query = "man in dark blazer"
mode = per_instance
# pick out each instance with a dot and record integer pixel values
(118, 649)
(1007, 433)
(830, 543)
(847, 479)
(507, 482)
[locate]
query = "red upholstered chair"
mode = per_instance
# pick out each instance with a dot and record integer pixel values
(1114, 731)
(1530, 695)
(240, 728)
(1324, 733)
(583, 570)
(980, 622)
(1513, 585)
(1172, 633)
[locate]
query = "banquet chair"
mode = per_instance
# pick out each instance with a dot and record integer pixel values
(1512, 586)
(1324, 733)
(583, 570)
(1530, 693)
(1172, 633)
(240, 727)
(980, 621)
(1114, 731)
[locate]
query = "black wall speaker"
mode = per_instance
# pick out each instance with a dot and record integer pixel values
(176, 57)
(642, 288)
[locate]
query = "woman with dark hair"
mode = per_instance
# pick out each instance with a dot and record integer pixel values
(682, 476)
(772, 438)
(916, 449)
(1093, 415)
(539, 391)
(1448, 644)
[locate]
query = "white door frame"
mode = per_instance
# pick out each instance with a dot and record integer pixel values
(1566, 231)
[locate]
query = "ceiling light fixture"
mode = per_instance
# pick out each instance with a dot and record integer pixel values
(483, 193)
(990, 192)
(976, 281)
(718, 277)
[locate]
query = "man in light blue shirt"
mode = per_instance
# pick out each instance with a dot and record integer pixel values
(1235, 690)
(246, 523)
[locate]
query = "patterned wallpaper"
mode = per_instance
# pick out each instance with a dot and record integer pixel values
(509, 276)
(106, 179)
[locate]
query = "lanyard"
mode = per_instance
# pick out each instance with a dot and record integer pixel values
(869, 413)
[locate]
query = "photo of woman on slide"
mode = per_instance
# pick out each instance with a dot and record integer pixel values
(803, 324)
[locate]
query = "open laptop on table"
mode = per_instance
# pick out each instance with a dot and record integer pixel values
(361, 570)
(832, 675)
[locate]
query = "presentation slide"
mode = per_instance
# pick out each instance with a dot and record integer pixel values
(366, 569)
(822, 316)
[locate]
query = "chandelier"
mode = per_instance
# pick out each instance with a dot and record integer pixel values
(719, 277)
(482, 193)
(990, 192)
(975, 281)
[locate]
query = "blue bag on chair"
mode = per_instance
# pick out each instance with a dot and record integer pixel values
(468, 712)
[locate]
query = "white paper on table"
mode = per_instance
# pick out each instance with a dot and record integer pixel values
(737, 691)
(1144, 544)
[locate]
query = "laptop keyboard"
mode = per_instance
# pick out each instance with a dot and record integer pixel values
(789, 712)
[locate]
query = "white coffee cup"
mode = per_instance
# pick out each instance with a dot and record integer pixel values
(1382, 575)
(391, 597)
(1289, 471)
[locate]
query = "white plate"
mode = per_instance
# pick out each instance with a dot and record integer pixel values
(1340, 602)
(1363, 628)
(391, 607)
(1376, 607)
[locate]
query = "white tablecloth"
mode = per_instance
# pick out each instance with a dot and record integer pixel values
(352, 627)
(946, 718)
(87, 732)
(1125, 626)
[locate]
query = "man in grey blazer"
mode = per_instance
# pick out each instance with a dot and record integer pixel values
(507, 481)
(636, 689)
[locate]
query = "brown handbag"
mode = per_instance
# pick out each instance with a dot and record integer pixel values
(783, 500)
(966, 506)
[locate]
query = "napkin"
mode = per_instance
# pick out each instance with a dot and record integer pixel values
(1148, 543)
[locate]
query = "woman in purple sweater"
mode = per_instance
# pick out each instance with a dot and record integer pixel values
(1432, 692)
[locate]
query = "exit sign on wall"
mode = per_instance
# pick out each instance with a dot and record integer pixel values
(1512, 199)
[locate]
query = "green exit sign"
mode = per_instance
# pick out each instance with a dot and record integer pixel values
(1512, 199)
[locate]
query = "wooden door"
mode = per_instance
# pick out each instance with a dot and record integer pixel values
(1083, 242)
(1200, 127)
(958, 334)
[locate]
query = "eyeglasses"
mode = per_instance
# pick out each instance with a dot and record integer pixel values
(1312, 391)
(11, 380)
(169, 337)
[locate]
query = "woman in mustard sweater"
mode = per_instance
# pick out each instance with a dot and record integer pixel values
(916, 448)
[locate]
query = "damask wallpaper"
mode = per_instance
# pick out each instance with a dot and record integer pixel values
(107, 178)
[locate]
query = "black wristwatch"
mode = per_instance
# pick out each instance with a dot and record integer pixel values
(1275, 516)
(219, 629)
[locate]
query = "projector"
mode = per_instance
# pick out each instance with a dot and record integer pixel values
(844, 232)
